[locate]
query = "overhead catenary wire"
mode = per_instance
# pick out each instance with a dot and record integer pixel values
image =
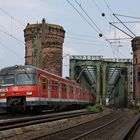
(99, 9)
(8, 34)
(121, 30)
(82, 35)
(5, 32)
(111, 15)
(107, 20)
(3, 28)
(102, 13)
(14, 19)
(83, 39)
(83, 17)
(12, 36)
(108, 6)
(128, 16)
(124, 24)
(112, 23)
(11, 16)
(99, 31)
(89, 17)
(110, 10)
(84, 43)
(86, 20)
(119, 38)
(16, 54)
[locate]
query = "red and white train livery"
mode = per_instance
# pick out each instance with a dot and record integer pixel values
(25, 87)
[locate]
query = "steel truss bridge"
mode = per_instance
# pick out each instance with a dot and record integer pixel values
(110, 80)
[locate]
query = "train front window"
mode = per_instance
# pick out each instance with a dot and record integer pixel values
(26, 79)
(7, 80)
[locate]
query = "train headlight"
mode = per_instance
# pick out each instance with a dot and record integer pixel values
(2, 94)
(29, 93)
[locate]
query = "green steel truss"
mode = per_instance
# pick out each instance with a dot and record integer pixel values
(108, 79)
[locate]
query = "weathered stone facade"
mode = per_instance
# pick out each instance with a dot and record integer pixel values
(136, 69)
(44, 46)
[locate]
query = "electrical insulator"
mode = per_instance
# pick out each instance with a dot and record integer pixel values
(103, 14)
(100, 35)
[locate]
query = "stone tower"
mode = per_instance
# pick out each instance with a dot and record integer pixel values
(136, 69)
(44, 46)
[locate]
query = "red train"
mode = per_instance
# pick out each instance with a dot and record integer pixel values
(24, 87)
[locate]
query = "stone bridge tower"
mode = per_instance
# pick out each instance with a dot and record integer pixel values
(136, 69)
(44, 46)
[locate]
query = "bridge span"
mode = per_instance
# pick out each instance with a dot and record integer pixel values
(109, 79)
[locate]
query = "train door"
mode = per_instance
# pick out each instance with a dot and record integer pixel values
(43, 90)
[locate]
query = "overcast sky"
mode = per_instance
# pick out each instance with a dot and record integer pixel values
(82, 36)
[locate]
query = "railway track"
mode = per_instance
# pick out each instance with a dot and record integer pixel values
(84, 131)
(66, 121)
(132, 131)
(6, 124)
(115, 125)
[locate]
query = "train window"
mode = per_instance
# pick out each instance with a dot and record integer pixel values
(83, 93)
(54, 85)
(80, 92)
(7, 80)
(44, 84)
(64, 88)
(26, 79)
(76, 91)
(71, 89)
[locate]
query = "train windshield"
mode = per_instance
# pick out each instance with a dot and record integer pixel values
(7, 80)
(26, 79)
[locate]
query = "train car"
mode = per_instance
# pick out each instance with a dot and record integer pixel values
(25, 87)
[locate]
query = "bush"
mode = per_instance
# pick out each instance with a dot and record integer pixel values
(95, 108)
(136, 111)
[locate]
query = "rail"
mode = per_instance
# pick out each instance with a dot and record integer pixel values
(96, 129)
(19, 122)
(129, 132)
(81, 130)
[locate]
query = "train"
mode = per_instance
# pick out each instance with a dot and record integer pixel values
(26, 87)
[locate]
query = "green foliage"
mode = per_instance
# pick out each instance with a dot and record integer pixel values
(95, 108)
(136, 111)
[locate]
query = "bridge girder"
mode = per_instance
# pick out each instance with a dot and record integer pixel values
(98, 72)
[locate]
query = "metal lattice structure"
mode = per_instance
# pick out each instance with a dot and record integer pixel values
(108, 79)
